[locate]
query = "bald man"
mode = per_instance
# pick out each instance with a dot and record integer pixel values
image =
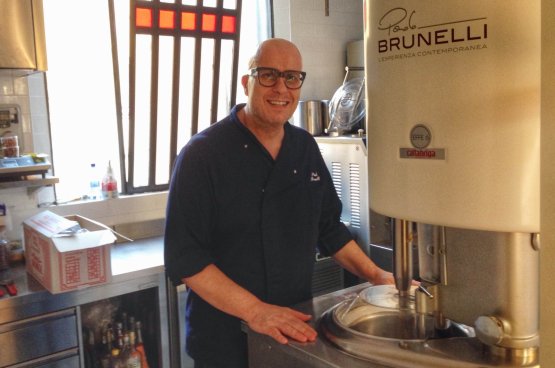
(250, 202)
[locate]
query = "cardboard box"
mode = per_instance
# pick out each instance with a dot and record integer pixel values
(63, 258)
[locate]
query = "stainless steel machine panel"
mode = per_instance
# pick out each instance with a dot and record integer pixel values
(345, 158)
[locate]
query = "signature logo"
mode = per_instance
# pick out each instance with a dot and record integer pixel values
(396, 20)
(314, 176)
(404, 33)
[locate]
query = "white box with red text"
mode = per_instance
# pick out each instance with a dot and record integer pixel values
(63, 259)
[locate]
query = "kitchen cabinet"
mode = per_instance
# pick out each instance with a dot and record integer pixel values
(48, 338)
(40, 329)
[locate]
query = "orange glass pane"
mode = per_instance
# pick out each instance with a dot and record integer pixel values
(228, 24)
(209, 22)
(167, 19)
(143, 17)
(188, 21)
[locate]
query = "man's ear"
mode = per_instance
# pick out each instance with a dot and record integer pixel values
(244, 83)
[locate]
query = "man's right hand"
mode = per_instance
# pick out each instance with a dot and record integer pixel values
(220, 291)
(281, 323)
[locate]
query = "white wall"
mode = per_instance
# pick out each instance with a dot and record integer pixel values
(321, 39)
(28, 92)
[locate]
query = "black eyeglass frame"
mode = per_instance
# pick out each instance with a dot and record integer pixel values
(255, 72)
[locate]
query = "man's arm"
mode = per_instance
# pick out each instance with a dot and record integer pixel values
(212, 285)
(354, 260)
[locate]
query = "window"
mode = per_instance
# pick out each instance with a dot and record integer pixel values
(130, 81)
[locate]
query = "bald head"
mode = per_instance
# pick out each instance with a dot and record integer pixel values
(271, 106)
(275, 45)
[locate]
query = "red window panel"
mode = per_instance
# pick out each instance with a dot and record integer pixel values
(209, 22)
(228, 24)
(167, 19)
(143, 17)
(188, 21)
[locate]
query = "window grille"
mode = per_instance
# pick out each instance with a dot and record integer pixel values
(193, 88)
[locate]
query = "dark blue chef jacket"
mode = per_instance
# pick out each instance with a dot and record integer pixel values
(257, 219)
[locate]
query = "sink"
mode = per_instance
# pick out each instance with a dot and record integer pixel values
(372, 324)
(395, 325)
(375, 313)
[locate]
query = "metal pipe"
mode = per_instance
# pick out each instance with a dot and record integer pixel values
(402, 259)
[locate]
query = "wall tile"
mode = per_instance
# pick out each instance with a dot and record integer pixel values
(20, 86)
(6, 85)
(323, 41)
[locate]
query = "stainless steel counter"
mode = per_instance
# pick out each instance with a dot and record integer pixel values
(318, 354)
(132, 260)
(137, 258)
(32, 317)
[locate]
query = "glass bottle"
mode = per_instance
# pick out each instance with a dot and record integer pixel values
(140, 345)
(124, 322)
(105, 351)
(115, 360)
(132, 358)
(132, 326)
(119, 335)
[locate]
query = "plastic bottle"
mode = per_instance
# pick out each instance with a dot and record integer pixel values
(109, 184)
(94, 183)
(4, 263)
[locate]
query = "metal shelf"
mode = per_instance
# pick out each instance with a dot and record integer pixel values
(32, 184)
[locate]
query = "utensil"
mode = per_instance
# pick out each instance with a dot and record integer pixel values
(309, 116)
(8, 283)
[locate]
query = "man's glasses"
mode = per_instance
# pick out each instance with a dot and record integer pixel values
(268, 77)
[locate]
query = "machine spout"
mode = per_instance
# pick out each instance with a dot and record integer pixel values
(402, 260)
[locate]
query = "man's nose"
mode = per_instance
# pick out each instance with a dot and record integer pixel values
(280, 84)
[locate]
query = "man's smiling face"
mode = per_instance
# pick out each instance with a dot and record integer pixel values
(273, 105)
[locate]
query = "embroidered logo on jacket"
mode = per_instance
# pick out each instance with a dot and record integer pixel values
(314, 176)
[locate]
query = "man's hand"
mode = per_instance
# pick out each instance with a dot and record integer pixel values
(220, 291)
(281, 323)
(353, 259)
(382, 277)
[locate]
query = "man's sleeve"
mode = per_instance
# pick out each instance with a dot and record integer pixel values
(189, 216)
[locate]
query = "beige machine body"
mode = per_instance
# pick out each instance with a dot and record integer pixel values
(453, 124)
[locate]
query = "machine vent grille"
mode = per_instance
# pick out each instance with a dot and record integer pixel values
(336, 177)
(327, 277)
(354, 194)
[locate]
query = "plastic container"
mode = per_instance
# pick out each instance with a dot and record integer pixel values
(10, 146)
(94, 183)
(109, 184)
(347, 106)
